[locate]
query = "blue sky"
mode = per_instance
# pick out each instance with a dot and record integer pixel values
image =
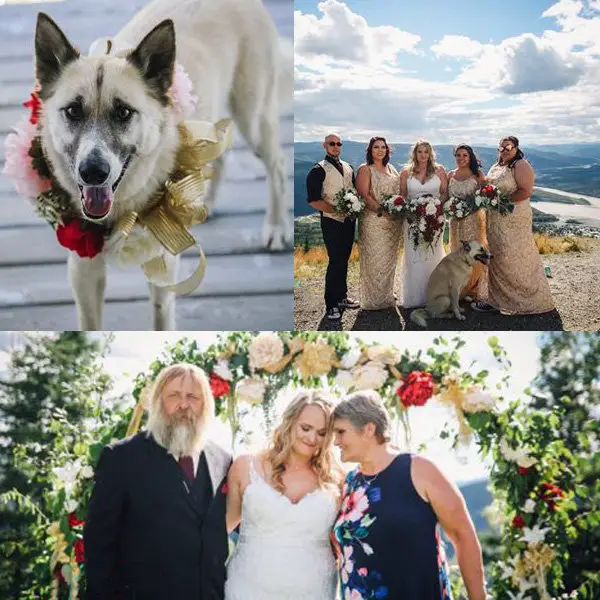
(401, 69)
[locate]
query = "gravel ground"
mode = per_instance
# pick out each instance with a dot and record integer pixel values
(575, 286)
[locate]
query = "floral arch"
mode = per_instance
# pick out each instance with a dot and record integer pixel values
(533, 479)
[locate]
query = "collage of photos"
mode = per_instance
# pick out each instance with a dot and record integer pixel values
(299, 300)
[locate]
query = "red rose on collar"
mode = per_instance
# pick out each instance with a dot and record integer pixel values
(224, 489)
(87, 242)
(35, 104)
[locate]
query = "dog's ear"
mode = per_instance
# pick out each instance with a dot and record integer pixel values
(466, 246)
(53, 52)
(155, 59)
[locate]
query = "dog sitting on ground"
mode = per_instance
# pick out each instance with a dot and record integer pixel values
(447, 281)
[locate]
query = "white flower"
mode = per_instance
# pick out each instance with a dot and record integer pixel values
(223, 371)
(71, 505)
(66, 573)
(87, 472)
(441, 219)
(521, 456)
(459, 213)
(344, 380)
(370, 376)
(535, 535)
(265, 349)
(430, 209)
(351, 357)
(134, 249)
(251, 390)
(476, 400)
(529, 506)
(494, 202)
(422, 225)
(67, 475)
(388, 355)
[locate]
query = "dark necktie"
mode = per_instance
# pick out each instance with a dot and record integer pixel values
(187, 466)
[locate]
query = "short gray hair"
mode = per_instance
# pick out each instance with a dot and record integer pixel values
(365, 407)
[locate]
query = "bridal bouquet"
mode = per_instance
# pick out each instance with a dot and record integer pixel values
(491, 198)
(426, 220)
(347, 202)
(394, 205)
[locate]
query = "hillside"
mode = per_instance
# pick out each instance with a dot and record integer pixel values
(570, 168)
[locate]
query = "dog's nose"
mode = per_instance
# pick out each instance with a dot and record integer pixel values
(94, 169)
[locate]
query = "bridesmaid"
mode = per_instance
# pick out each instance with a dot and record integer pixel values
(517, 283)
(462, 182)
(387, 536)
(379, 234)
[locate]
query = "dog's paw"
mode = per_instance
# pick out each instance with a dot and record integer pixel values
(461, 317)
(276, 237)
(462, 310)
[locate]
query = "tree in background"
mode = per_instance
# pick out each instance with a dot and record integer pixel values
(48, 376)
(569, 377)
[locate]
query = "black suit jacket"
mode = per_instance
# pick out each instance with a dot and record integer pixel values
(144, 536)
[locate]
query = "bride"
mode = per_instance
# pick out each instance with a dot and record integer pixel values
(421, 176)
(287, 499)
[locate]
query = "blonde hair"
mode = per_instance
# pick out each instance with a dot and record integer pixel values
(165, 377)
(412, 163)
(324, 463)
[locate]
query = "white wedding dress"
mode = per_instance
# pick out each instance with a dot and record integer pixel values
(418, 263)
(284, 550)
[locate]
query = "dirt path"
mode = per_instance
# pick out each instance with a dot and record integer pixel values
(575, 286)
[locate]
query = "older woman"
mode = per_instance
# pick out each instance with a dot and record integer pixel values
(517, 283)
(387, 532)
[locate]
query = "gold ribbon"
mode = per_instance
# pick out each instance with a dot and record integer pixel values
(175, 208)
(453, 395)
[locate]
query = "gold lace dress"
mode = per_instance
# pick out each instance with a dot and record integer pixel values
(517, 282)
(467, 229)
(378, 242)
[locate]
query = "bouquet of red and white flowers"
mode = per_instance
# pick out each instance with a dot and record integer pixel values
(393, 204)
(491, 198)
(347, 202)
(459, 208)
(426, 219)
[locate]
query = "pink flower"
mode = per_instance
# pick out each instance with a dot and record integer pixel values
(357, 505)
(17, 166)
(181, 92)
(362, 572)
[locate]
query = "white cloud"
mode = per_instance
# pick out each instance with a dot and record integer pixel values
(343, 35)
(458, 46)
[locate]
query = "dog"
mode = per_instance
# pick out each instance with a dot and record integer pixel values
(447, 281)
(110, 134)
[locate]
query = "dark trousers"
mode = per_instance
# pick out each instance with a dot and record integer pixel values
(338, 238)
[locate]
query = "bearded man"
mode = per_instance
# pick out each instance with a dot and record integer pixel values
(155, 528)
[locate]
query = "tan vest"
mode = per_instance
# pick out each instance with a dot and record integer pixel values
(333, 183)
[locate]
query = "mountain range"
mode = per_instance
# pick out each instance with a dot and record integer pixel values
(567, 167)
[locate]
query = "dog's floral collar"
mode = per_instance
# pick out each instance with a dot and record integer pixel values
(135, 238)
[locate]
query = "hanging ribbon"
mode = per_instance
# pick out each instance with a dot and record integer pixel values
(175, 209)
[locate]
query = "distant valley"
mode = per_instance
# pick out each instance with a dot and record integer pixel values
(565, 170)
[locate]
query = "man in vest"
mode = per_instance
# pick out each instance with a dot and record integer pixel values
(324, 180)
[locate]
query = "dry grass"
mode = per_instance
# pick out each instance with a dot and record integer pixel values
(313, 264)
(560, 244)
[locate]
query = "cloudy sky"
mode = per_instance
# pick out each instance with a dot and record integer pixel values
(132, 352)
(448, 71)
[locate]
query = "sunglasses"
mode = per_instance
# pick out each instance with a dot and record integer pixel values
(338, 144)
(506, 148)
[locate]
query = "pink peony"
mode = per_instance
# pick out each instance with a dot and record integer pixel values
(181, 92)
(17, 166)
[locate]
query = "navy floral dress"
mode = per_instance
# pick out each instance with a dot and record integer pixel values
(387, 539)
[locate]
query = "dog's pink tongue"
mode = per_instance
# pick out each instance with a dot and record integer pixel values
(97, 200)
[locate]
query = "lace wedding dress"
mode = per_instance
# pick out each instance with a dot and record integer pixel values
(284, 550)
(418, 263)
